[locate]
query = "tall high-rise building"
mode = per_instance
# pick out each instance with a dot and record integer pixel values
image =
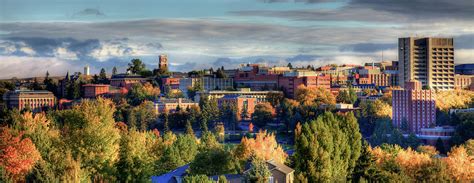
(163, 62)
(428, 60)
(413, 107)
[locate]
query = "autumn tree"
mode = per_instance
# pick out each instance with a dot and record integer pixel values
(264, 146)
(263, 114)
(460, 164)
(18, 155)
(327, 148)
(137, 156)
(314, 96)
(453, 99)
(92, 137)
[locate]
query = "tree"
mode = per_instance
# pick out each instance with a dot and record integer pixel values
(18, 155)
(213, 161)
(137, 156)
(465, 128)
(189, 128)
(197, 179)
(114, 70)
(314, 96)
(259, 172)
(250, 127)
(263, 114)
(264, 146)
(136, 66)
(103, 77)
(179, 153)
(440, 146)
(142, 116)
(289, 65)
(92, 136)
(327, 148)
(365, 165)
(453, 99)
(460, 164)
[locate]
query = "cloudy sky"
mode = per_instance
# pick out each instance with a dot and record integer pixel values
(61, 36)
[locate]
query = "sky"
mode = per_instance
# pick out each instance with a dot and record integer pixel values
(65, 35)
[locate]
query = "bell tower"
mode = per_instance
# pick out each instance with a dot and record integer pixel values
(163, 62)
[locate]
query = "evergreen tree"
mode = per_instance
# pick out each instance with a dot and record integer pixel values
(114, 70)
(103, 77)
(258, 172)
(189, 128)
(440, 146)
(327, 148)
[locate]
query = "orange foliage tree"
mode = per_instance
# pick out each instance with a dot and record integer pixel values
(314, 95)
(264, 146)
(18, 155)
(460, 164)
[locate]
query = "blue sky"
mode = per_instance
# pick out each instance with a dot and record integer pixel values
(61, 36)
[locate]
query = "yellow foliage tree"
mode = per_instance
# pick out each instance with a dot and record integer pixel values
(264, 146)
(460, 164)
(314, 95)
(446, 100)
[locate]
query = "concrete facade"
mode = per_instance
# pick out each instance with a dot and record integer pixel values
(428, 60)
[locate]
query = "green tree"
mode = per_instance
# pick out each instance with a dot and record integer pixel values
(259, 172)
(262, 114)
(137, 156)
(142, 116)
(213, 161)
(92, 136)
(440, 146)
(136, 66)
(197, 179)
(365, 168)
(114, 70)
(103, 77)
(181, 152)
(327, 148)
(189, 128)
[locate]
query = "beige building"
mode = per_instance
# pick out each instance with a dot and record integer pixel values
(464, 81)
(35, 100)
(170, 105)
(261, 96)
(428, 60)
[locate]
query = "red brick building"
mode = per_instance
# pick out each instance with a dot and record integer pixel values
(290, 83)
(242, 102)
(95, 90)
(172, 82)
(249, 76)
(414, 106)
(126, 80)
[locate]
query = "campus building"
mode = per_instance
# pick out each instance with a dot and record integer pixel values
(170, 105)
(95, 90)
(428, 60)
(126, 80)
(290, 81)
(413, 106)
(36, 100)
(207, 83)
(260, 96)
